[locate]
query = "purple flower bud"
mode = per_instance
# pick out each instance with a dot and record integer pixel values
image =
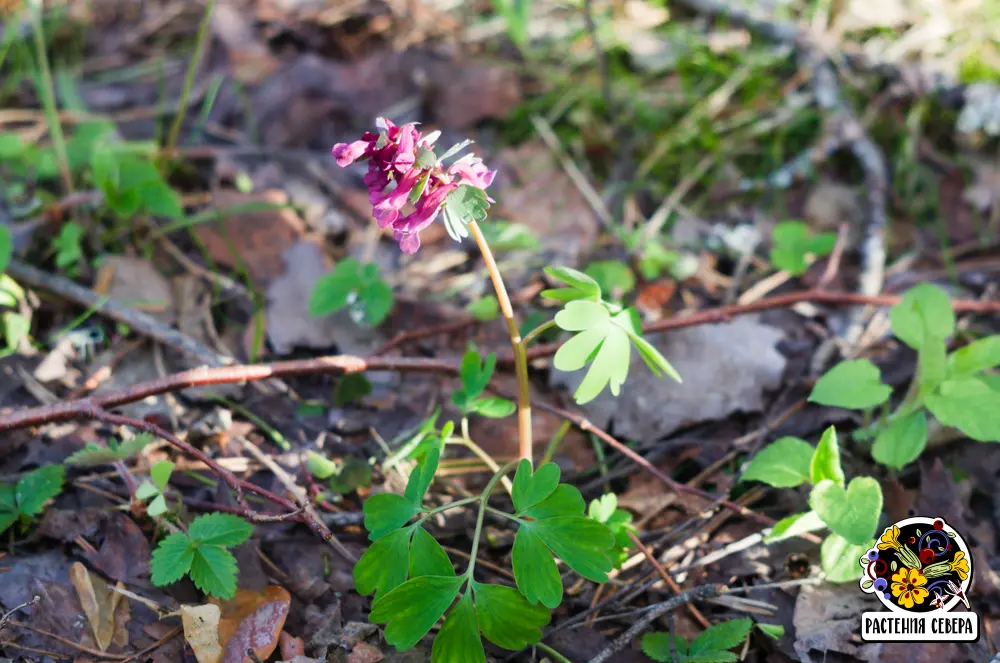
(348, 153)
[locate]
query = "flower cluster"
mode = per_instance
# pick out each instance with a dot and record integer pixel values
(404, 174)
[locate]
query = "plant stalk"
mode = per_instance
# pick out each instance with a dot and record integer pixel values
(525, 445)
(192, 70)
(484, 498)
(46, 91)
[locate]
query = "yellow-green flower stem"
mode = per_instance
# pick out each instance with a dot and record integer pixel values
(466, 441)
(525, 444)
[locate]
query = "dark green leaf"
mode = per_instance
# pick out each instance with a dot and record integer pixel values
(378, 299)
(351, 388)
(332, 291)
(213, 570)
(506, 618)
(384, 565)
(7, 518)
(493, 407)
(535, 570)
(565, 500)
(37, 487)
(854, 513)
(386, 512)
(722, 636)
(427, 557)
(925, 306)
(410, 610)
(6, 247)
(658, 647)
(352, 474)
(783, 464)
(583, 544)
(475, 374)
(422, 476)
(530, 488)
(825, 462)
(902, 441)
(220, 529)
(855, 384)
(458, 640)
(171, 559)
(160, 200)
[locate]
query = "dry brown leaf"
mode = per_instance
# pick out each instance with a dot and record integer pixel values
(365, 653)
(291, 646)
(201, 630)
(107, 611)
(252, 620)
(136, 283)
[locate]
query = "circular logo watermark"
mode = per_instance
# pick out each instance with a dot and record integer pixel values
(918, 565)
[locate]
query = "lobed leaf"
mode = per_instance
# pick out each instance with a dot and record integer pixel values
(854, 513)
(427, 557)
(530, 488)
(581, 285)
(661, 646)
(386, 512)
(160, 474)
(839, 558)
(458, 640)
(534, 569)
(722, 636)
(93, 454)
(219, 529)
(422, 477)
(506, 618)
(36, 488)
(410, 610)
(385, 564)
(583, 544)
(565, 500)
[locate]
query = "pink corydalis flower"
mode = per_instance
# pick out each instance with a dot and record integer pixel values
(404, 173)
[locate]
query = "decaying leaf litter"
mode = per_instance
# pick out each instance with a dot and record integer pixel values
(659, 152)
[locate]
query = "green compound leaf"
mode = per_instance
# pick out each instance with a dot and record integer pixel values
(467, 204)
(427, 557)
(793, 525)
(923, 307)
(825, 462)
(219, 529)
(332, 291)
(968, 404)
(171, 559)
(722, 636)
(580, 285)
(855, 384)
(384, 565)
(506, 618)
(853, 514)
(981, 355)
(530, 488)
(583, 544)
(386, 512)
(475, 373)
(902, 441)
(376, 296)
(421, 477)
(535, 571)
(458, 640)
(603, 507)
(93, 454)
(157, 507)
(661, 646)
(602, 341)
(37, 487)
(783, 464)
(213, 570)
(410, 610)
(839, 558)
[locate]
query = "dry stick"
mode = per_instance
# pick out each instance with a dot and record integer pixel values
(417, 334)
(525, 445)
(699, 593)
(145, 324)
(69, 643)
(671, 583)
(238, 485)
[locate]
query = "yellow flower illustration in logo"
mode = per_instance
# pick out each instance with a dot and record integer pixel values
(960, 565)
(908, 587)
(890, 539)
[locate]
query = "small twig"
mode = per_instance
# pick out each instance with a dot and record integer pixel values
(69, 643)
(671, 583)
(6, 616)
(417, 334)
(699, 593)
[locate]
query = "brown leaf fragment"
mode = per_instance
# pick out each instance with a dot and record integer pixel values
(107, 611)
(365, 653)
(252, 620)
(201, 630)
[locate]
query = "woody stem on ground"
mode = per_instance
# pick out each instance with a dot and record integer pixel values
(525, 445)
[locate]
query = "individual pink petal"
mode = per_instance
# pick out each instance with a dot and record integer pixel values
(473, 174)
(426, 210)
(408, 242)
(405, 157)
(348, 153)
(394, 200)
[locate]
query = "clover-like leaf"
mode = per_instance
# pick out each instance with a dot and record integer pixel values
(410, 610)
(583, 544)
(171, 559)
(534, 569)
(825, 463)
(219, 529)
(386, 512)
(531, 488)
(565, 500)
(783, 464)
(458, 640)
(902, 441)
(924, 307)
(213, 570)
(854, 513)
(160, 473)
(506, 618)
(385, 564)
(855, 384)
(602, 341)
(146, 490)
